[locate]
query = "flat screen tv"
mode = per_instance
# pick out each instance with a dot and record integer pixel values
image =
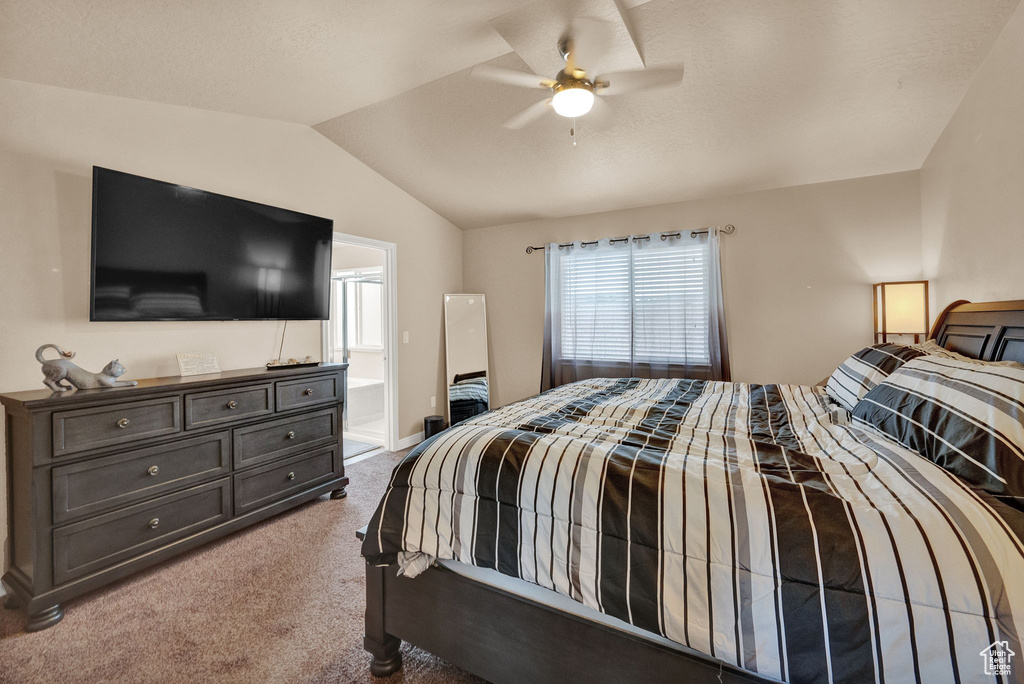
(166, 252)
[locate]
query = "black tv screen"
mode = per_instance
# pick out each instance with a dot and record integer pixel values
(166, 252)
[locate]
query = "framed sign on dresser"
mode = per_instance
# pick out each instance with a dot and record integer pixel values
(104, 483)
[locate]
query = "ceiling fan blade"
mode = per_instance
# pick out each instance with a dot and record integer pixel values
(529, 115)
(591, 40)
(510, 77)
(621, 82)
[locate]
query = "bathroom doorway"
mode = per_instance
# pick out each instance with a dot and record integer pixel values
(361, 332)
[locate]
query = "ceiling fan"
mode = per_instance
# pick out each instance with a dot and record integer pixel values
(572, 88)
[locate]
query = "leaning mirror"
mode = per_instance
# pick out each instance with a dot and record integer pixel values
(465, 334)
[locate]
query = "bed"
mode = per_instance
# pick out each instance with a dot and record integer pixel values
(685, 530)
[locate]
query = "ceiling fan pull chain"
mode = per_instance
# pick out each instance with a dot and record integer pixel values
(572, 132)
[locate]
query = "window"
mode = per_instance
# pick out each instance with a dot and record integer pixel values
(640, 307)
(364, 325)
(358, 310)
(670, 304)
(624, 305)
(596, 307)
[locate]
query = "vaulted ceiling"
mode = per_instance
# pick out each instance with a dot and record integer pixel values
(775, 94)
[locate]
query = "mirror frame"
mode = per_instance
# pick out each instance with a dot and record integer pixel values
(447, 351)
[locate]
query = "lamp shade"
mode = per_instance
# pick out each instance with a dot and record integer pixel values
(572, 102)
(901, 308)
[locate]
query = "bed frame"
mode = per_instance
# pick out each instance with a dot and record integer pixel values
(990, 331)
(506, 638)
(509, 639)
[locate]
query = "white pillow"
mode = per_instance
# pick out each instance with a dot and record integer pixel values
(932, 348)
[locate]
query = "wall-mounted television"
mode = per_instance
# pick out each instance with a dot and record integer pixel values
(166, 252)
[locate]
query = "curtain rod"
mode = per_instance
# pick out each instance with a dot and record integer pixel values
(727, 229)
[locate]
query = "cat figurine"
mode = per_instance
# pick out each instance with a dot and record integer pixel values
(55, 371)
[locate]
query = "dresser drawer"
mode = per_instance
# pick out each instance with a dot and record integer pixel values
(93, 544)
(212, 408)
(90, 428)
(319, 389)
(261, 486)
(94, 486)
(278, 438)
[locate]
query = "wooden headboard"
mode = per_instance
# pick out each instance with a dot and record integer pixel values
(990, 331)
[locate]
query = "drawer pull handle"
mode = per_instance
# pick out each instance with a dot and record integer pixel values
(153, 470)
(290, 435)
(291, 476)
(309, 392)
(232, 404)
(123, 423)
(154, 523)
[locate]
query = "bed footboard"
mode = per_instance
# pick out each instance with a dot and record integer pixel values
(508, 639)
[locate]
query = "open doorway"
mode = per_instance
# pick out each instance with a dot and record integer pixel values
(361, 333)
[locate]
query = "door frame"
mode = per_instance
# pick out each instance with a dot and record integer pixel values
(389, 324)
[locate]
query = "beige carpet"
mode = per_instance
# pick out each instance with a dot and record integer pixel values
(279, 602)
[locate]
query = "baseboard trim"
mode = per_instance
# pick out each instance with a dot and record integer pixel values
(410, 441)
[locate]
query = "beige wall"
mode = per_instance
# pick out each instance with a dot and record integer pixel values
(972, 184)
(49, 140)
(347, 257)
(797, 273)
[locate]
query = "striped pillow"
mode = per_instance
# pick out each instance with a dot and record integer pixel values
(964, 416)
(859, 374)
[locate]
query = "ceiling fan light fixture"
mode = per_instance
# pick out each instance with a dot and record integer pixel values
(573, 101)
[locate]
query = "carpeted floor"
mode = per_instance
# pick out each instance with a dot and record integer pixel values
(281, 602)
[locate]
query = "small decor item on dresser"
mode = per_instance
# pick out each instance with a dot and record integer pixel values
(197, 363)
(281, 364)
(56, 371)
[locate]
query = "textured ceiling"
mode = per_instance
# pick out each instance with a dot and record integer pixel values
(533, 32)
(294, 60)
(775, 94)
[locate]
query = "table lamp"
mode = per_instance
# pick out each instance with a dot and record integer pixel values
(901, 308)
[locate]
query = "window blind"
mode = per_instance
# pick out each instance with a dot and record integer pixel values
(637, 305)
(596, 307)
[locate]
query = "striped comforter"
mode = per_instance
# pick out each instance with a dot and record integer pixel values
(749, 522)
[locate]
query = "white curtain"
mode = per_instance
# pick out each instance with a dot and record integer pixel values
(641, 307)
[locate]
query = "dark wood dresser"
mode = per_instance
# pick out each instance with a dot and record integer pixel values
(103, 483)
